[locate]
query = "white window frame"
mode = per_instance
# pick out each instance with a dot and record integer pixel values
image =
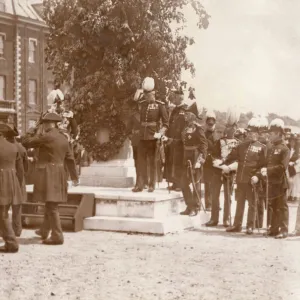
(30, 92)
(2, 36)
(35, 42)
(3, 88)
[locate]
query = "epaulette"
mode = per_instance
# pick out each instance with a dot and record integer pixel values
(160, 102)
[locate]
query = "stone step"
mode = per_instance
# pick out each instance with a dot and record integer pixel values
(98, 181)
(125, 203)
(139, 225)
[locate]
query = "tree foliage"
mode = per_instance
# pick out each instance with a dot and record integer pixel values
(108, 46)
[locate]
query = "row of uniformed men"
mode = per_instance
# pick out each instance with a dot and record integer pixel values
(50, 180)
(260, 164)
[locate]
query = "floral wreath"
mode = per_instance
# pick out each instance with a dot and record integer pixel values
(104, 151)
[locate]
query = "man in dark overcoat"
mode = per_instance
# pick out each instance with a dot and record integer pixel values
(17, 209)
(174, 148)
(11, 175)
(50, 182)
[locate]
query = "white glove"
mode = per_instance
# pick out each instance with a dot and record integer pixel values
(197, 165)
(291, 163)
(31, 159)
(157, 135)
(217, 162)
(254, 179)
(226, 169)
(164, 138)
(264, 171)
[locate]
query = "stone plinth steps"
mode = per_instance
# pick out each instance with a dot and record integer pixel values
(124, 211)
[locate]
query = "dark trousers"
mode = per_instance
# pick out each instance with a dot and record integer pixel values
(8, 234)
(208, 187)
(190, 197)
(52, 222)
(279, 208)
(17, 219)
(244, 192)
(217, 180)
(136, 165)
(146, 149)
(260, 212)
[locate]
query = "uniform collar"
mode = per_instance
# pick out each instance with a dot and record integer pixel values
(277, 141)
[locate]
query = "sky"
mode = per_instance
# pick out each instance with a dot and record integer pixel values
(249, 56)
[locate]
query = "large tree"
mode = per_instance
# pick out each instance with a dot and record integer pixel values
(108, 46)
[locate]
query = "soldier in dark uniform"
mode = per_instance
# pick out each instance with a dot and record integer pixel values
(152, 113)
(50, 184)
(11, 177)
(133, 130)
(208, 165)
(276, 164)
(195, 151)
(220, 151)
(262, 138)
(250, 156)
(174, 149)
(17, 209)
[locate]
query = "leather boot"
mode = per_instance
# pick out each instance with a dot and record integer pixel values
(211, 223)
(234, 229)
(186, 212)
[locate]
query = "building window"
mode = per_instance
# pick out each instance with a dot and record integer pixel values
(2, 39)
(2, 5)
(32, 92)
(32, 50)
(2, 87)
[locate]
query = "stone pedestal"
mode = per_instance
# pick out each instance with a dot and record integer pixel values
(118, 172)
(150, 213)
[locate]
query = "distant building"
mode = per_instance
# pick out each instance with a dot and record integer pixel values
(24, 79)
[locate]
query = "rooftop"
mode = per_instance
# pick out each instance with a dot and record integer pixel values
(21, 8)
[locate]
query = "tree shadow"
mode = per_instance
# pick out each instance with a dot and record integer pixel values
(236, 235)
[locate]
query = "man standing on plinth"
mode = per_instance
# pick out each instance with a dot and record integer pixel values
(208, 165)
(250, 156)
(153, 115)
(174, 147)
(11, 176)
(50, 182)
(275, 171)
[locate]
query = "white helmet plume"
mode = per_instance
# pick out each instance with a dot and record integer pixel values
(54, 94)
(277, 123)
(148, 84)
(210, 115)
(233, 115)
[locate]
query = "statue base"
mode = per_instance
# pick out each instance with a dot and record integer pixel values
(118, 172)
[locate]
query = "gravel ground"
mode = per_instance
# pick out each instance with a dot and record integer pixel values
(201, 264)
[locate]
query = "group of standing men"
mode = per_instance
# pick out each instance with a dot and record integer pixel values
(55, 162)
(256, 158)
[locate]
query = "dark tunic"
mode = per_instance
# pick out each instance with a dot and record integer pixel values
(133, 129)
(50, 180)
(24, 165)
(152, 113)
(174, 149)
(250, 157)
(11, 174)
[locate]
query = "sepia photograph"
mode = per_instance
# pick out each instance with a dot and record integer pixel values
(149, 149)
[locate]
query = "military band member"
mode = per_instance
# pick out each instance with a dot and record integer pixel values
(11, 176)
(208, 168)
(276, 164)
(50, 183)
(250, 156)
(174, 148)
(153, 114)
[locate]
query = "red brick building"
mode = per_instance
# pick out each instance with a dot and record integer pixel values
(24, 79)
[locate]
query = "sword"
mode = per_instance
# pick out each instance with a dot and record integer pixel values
(255, 216)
